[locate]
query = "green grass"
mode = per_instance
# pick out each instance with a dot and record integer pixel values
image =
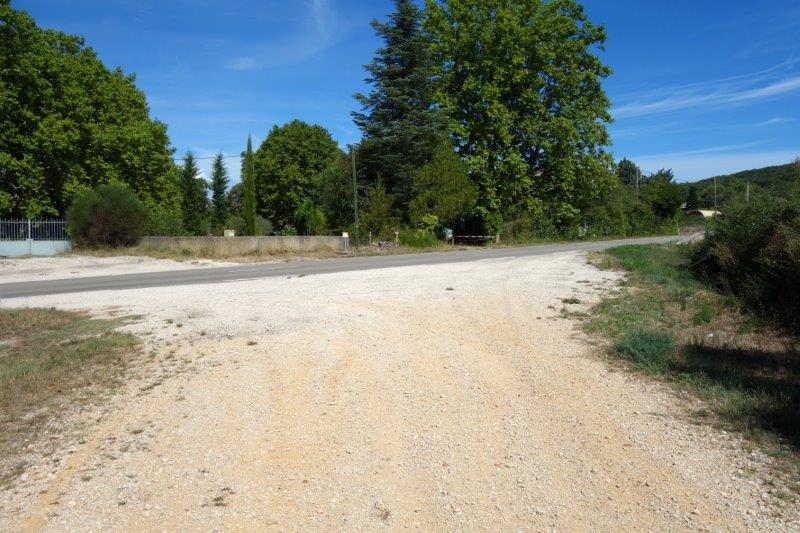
(50, 360)
(668, 324)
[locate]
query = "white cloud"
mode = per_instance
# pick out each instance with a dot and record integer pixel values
(319, 29)
(775, 121)
(718, 93)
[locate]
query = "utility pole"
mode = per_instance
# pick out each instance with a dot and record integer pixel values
(715, 193)
(355, 194)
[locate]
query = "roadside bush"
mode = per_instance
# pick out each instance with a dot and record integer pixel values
(418, 238)
(753, 251)
(110, 215)
(236, 223)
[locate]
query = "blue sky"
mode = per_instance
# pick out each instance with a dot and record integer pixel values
(701, 87)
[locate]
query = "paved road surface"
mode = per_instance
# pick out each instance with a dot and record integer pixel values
(295, 268)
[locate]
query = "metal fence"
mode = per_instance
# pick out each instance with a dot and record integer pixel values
(34, 230)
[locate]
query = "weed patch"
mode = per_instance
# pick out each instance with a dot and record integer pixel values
(49, 361)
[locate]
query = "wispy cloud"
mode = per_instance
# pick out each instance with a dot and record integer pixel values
(775, 121)
(776, 81)
(319, 29)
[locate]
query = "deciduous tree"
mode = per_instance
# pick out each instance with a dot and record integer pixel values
(522, 82)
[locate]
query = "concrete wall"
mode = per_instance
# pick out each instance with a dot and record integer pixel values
(239, 246)
(31, 247)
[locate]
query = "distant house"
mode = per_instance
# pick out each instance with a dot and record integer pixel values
(703, 213)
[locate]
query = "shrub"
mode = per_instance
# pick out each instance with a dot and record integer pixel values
(163, 220)
(753, 252)
(418, 238)
(237, 224)
(110, 215)
(647, 348)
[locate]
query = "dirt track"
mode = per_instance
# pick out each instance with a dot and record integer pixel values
(384, 400)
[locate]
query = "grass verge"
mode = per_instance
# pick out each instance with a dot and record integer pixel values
(666, 323)
(52, 362)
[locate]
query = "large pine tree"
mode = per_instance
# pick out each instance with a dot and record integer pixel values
(399, 119)
(219, 189)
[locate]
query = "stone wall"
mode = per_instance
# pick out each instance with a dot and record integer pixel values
(241, 246)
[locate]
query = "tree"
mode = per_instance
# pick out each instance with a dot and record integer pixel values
(376, 217)
(400, 119)
(628, 172)
(443, 189)
(522, 84)
(335, 193)
(248, 199)
(67, 124)
(195, 200)
(663, 195)
(219, 186)
(287, 166)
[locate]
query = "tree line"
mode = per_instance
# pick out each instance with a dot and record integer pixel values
(481, 116)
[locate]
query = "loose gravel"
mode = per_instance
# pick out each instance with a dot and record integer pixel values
(429, 397)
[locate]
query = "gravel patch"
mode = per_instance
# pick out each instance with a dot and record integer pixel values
(429, 397)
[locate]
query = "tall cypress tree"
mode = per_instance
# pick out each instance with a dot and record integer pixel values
(399, 119)
(248, 190)
(195, 201)
(219, 186)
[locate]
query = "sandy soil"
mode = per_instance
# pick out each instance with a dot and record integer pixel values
(43, 268)
(447, 397)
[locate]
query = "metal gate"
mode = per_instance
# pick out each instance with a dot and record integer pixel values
(20, 237)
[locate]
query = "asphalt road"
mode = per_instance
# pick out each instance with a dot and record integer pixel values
(296, 268)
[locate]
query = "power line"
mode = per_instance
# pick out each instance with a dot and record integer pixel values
(209, 157)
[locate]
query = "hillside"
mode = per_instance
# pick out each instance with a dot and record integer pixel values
(774, 180)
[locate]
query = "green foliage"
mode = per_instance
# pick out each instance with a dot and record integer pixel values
(335, 193)
(287, 166)
(248, 200)
(648, 348)
(261, 226)
(310, 219)
(163, 220)
(418, 238)
(628, 172)
(376, 216)
(67, 123)
(219, 196)
(753, 251)
(522, 84)
(443, 189)
(400, 120)
(194, 199)
(663, 195)
(768, 182)
(109, 215)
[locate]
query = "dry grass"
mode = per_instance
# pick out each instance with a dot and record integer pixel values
(52, 361)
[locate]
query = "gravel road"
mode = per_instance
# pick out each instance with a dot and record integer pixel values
(432, 397)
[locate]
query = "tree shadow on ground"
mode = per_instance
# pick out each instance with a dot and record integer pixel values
(760, 389)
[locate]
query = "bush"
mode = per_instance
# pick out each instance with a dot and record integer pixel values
(236, 223)
(753, 252)
(163, 220)
(418, 238)
(647, 348)
(110, 215)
